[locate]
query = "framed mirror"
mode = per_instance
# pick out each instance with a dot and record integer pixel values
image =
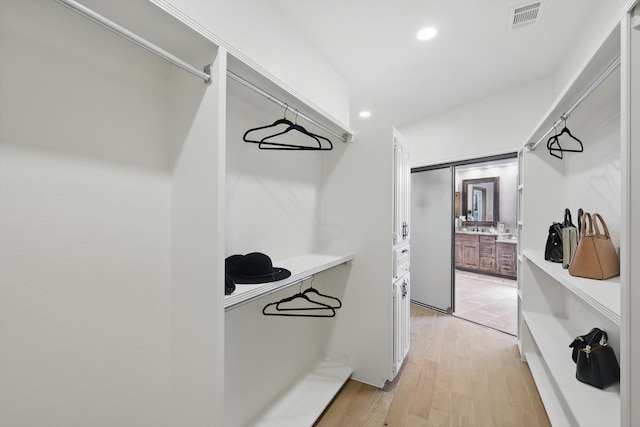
(481, 200)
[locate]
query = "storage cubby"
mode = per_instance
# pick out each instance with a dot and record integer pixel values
(555, 307)
(278, 370)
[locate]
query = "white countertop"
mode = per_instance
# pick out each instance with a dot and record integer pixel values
(500, 237)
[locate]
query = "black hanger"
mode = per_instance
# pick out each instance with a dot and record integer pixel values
(309, 309)
(283, 121)
(267, 143)
(554, 140)
(301, 305)
(313, 292)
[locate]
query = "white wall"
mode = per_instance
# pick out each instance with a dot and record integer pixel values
(259, 31)
(503, 122)
(84, 224)
(603, 19)
(494, 125)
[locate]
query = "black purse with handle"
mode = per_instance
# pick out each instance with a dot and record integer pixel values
(553, 249)
(597, 364)
(581, 341)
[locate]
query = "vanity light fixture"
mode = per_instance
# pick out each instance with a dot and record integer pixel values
(365, 114)
(426, 33)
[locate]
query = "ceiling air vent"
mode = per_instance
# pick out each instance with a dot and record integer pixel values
(525, 15)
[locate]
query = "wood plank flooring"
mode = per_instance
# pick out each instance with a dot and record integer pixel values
(457, 373)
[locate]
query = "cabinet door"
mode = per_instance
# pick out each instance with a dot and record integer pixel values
(401, 321)
(470, 255)
(458, 253)
(401, 191)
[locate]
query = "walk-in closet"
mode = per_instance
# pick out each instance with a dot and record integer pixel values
(147, 145)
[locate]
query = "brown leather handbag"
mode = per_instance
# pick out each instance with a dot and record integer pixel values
(595, 256)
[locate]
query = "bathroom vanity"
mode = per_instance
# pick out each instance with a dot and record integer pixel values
(486, 253)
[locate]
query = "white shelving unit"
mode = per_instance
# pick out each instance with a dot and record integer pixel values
(587, 405)
(602, 295)
(304, 402)
(555, 307)
(301, 267)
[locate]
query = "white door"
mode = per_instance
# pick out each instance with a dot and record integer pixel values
(431, 238)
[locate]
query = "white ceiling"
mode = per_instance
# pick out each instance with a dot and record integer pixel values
(476, 54)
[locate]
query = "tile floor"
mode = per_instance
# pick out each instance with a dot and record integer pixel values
(487, 300)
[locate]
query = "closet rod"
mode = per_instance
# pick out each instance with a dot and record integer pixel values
(269, 292)
(123, 32)
(584, 96)
(272, 98)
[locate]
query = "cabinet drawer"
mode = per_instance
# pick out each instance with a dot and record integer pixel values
(400, 260)
(487, 250)
(470, 238)
(487, 239)
(488, 264)
(506, 256)
(505, 250)
(507, 269)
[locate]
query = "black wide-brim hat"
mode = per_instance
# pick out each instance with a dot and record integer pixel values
(254, 267)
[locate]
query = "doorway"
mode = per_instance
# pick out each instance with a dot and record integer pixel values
(464, 240)
(485, 286)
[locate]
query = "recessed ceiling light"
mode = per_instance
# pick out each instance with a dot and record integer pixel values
(365, 114)
(426, 33)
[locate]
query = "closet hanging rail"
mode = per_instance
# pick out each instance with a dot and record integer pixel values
(134, 38)
(272, 98)
(271, 291)
(584, 96)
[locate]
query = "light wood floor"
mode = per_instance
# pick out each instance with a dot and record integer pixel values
(457, 373)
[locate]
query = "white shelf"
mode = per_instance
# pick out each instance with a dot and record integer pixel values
(555, 410)
(588, 405)
(602, 295)
(303, 404)
(301, 267)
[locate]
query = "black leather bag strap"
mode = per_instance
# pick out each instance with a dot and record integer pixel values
(568, 222)
(580, 213)
(598, 337)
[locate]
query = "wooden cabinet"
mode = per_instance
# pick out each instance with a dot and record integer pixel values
(506, 259)
(467, 251)
(487, 254)
(483, 254)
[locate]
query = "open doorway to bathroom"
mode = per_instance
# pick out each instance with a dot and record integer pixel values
(485, 251)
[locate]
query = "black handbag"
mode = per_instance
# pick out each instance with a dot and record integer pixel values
(581, 341)
(554, 248)
(597, 364)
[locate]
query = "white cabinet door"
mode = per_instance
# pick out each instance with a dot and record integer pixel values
(401, 190)
(401, 321)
